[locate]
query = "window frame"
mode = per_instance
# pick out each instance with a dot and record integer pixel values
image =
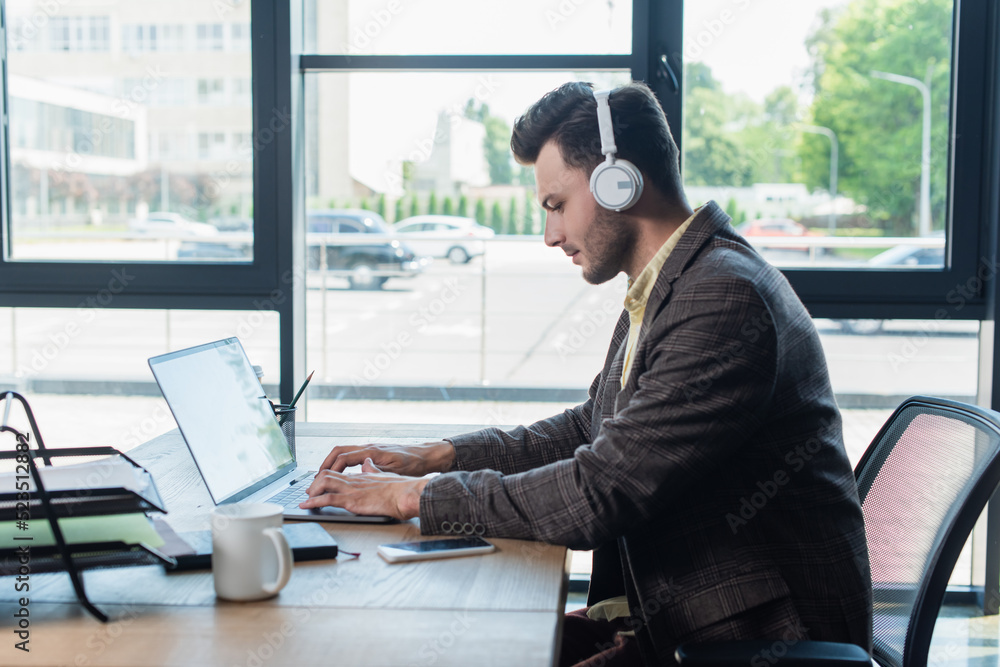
(278, 69)
(171, 284)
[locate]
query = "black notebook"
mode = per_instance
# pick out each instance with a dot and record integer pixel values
(309, 541)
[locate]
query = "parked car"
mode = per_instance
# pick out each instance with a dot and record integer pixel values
(775, 227)
(162, 223)
(367, 264)
(900, 257)
(772, 227)
(232, 224)
(907, 255)
(459, 239)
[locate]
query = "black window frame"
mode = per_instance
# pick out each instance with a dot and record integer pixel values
(278, 70)
(170, 283)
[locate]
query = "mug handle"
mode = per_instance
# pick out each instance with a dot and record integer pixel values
(284, 553)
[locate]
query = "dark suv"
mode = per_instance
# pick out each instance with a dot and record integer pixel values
(366, 262)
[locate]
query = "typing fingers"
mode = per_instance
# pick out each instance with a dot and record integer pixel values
(340, 458)
(324, 482)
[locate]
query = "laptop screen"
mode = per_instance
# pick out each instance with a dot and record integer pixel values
(224, 416)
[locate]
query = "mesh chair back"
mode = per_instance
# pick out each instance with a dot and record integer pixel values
(923, 482)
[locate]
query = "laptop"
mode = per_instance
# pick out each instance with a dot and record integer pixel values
(230, 429)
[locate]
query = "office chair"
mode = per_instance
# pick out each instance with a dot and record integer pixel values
(923, 483)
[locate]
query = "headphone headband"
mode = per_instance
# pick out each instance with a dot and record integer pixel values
(604, 122)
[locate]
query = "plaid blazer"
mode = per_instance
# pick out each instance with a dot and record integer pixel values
(714, 486)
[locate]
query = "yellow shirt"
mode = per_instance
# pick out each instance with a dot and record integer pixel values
(635, 303)
(639, 291)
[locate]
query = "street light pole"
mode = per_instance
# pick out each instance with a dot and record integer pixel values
(925, 157)
(834, 158)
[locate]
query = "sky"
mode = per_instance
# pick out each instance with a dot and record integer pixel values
(752, 46)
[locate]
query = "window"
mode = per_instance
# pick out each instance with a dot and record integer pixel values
(99, 141)
(96, 345)
(209, 37)
(76, 33)
(138, 38)
(211, 92)
(241, 92)
(374, 27)
(171, 92)
(239, 36)
(824, 129)
(212, 145)
(170, 146)
(350, 227)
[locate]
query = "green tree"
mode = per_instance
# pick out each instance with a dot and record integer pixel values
(496, 144)
(531, 218)
(380, 207)
(481, 211)
(448, 206)
(397, 211)
(414, 205)
(878, 123)
(732, 210)
(730, 140)
(496, 218)
(709, 150)
(515, 223)
(497, 147)
(432, 204)
(463, 206)
(363, 204)
(332, 203)
(408, 169)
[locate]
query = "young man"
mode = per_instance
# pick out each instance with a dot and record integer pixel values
(707, 468)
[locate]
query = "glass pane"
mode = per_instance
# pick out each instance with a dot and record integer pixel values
(445, 27)
(829, 147)
(85, 374)
(464, 304)
(130, 131)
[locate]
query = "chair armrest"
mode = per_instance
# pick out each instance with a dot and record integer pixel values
(772, 653)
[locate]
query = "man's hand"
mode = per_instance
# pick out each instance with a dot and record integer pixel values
(374, 492)
(411, 460)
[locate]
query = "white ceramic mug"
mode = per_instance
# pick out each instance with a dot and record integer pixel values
(251, 559)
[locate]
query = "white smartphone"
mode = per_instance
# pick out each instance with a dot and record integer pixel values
(426, 549)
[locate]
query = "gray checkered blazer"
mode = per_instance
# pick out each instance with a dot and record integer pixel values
(714, 487)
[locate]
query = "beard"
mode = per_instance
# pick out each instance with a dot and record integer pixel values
(609, 244)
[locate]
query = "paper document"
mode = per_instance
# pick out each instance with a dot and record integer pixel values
(108, 473)
(128, 528)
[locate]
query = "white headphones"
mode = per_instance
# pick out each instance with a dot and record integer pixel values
(615, 184)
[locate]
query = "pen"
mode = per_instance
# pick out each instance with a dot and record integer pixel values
(301, 389)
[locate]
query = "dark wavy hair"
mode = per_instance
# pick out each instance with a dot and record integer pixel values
(568, 116)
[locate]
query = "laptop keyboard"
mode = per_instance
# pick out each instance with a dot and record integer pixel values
(295, 493)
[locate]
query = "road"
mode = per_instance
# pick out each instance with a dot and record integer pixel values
(519, 317)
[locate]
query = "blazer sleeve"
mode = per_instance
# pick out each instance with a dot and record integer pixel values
(703, 383)
(526, 447)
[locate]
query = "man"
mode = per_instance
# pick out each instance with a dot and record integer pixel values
(706, 469)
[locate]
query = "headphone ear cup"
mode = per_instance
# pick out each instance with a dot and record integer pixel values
(616, 185)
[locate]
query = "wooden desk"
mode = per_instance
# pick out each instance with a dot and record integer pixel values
(504, 608)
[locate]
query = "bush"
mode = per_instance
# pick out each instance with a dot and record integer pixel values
(481, 211)
(515, 224)
(496, 218)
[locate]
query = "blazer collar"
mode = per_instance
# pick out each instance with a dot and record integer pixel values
(708, 222)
